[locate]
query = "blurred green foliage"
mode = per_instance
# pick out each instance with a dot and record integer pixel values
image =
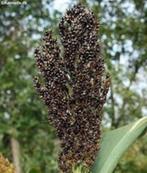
(22, 114)
(123, 33)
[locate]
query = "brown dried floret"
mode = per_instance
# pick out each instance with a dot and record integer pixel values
(75, 86)
(6, 166)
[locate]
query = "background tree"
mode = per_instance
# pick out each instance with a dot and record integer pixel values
(23, 121)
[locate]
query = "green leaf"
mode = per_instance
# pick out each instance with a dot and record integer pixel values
(115, 143)
(34, 170)
(80, 169)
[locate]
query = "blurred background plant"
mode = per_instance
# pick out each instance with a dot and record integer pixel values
(6, 166)
(26, 138)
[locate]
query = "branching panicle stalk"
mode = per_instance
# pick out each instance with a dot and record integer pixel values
(75, 86)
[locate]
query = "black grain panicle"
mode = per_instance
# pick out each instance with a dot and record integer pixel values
(75, 86)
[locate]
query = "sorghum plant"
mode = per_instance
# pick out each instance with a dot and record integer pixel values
(6, 166)
(74, 86)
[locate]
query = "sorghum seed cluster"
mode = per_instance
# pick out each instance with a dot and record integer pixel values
(74, 86)
(6, 166)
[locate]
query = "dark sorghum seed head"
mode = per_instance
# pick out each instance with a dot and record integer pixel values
(74, 86)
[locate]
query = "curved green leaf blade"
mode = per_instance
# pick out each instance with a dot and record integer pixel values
(115, 143)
